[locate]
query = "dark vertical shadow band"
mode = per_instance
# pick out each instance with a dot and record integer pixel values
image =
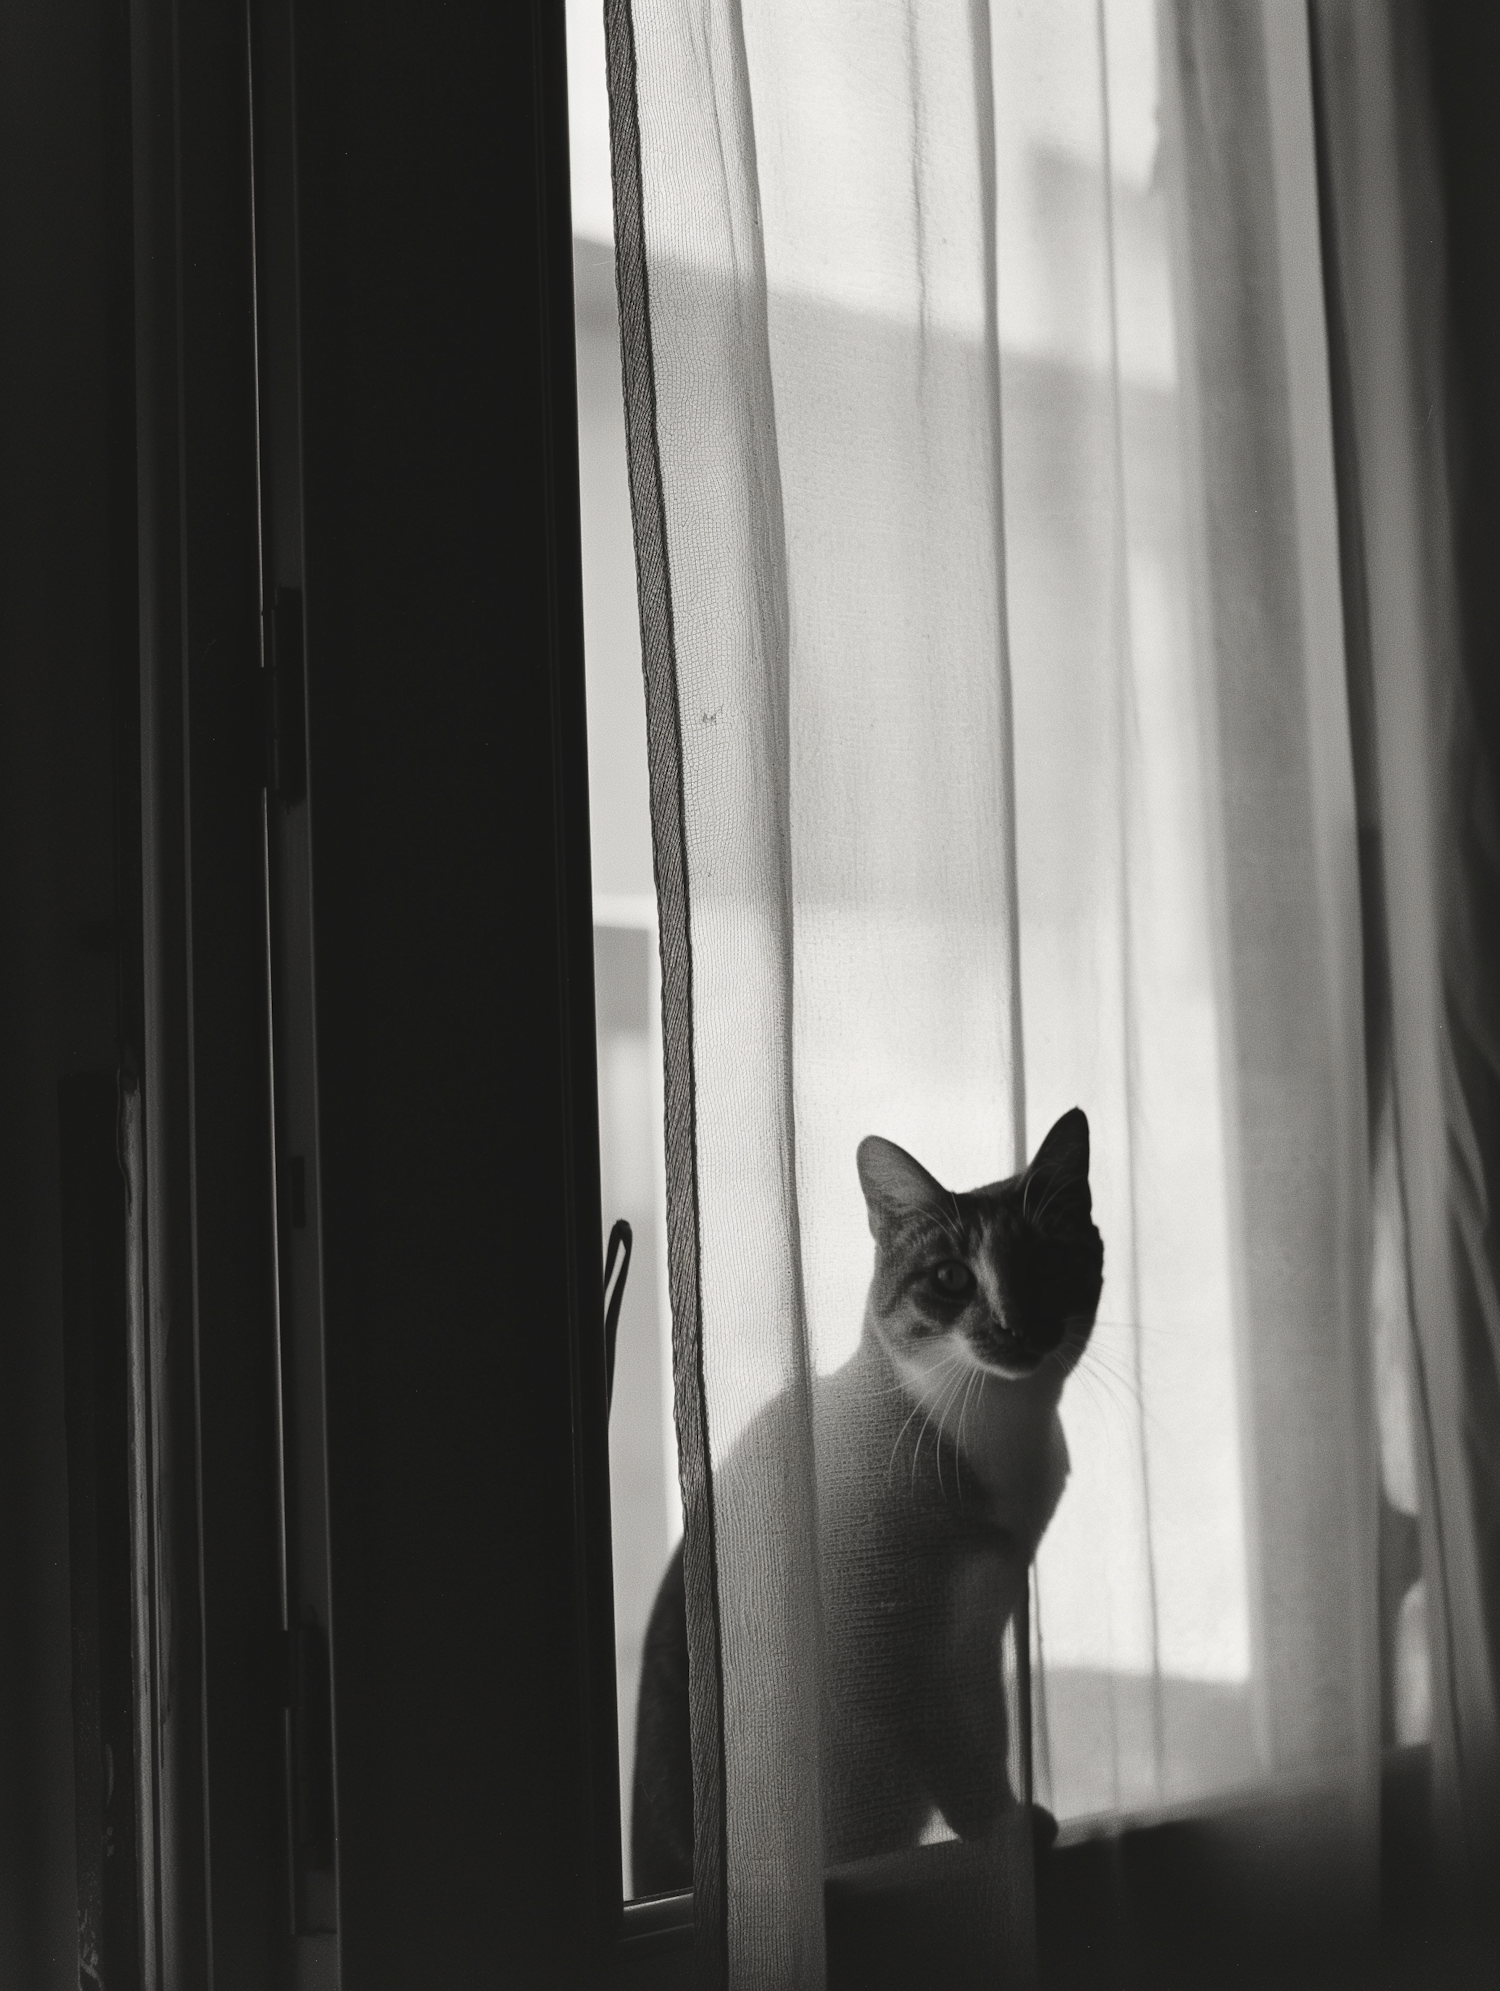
(142, 1534)
(1423, 258)
(669, 845)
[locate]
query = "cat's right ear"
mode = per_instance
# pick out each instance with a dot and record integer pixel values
(1061, 1166)
(895, 1185)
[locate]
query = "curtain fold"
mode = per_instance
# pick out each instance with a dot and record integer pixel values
(1286, 892)
(705, 472)
(1426, 879)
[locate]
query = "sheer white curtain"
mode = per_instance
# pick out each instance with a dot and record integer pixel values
(982, 474)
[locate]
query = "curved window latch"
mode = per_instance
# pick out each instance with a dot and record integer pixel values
(619, 1242)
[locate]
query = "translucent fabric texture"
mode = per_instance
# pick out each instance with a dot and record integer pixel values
(1427, 806)
(982, 468)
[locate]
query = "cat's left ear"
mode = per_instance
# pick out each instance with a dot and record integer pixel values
(1060, 1168)
(895, 1184)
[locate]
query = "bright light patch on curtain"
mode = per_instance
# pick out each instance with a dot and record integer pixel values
(1142, 1579)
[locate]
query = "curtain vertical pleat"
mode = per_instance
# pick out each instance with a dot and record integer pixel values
(705, 458)
(1086, 413)
(877, 175)
(664, 734)
(1277, 745)
(1386, 275)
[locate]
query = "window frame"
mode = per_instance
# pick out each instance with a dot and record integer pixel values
(353, 231)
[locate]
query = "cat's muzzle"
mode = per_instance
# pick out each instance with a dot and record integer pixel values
(1008, 1350)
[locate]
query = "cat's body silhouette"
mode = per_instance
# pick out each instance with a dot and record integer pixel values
(940, 1461)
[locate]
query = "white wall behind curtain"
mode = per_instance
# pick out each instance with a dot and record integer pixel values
(957, 745)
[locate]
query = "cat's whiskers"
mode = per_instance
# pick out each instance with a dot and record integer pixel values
(917, 1451)
(893, 1388)
(953, 1358)
(1106, 1393)
(1107, 1357)
(1143, 1327)
(950, 1356)
(1120, 1377)
(962, 1397)
(1098, 1397)
(1113, 1363)
(980, 1376)
(926, 1408)
(951, 1392)
(906, 1426)
(1115, 1395)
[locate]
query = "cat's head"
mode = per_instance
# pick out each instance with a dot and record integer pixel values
(1007, 1277)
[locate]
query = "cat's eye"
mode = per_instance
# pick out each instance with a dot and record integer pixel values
(953, 1279)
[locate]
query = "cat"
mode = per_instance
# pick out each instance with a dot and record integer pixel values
(941, 1461)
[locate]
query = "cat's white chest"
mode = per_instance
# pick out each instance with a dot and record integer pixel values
(1007, 1434)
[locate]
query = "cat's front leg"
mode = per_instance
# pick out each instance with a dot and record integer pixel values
(960, 1727)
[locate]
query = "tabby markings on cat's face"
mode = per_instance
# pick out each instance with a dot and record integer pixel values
(1004, 1280)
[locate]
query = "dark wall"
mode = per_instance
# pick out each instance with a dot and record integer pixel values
(446, 770)
(66, 616)
(455, 992)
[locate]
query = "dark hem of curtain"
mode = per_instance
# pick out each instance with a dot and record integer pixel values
(669, 849)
